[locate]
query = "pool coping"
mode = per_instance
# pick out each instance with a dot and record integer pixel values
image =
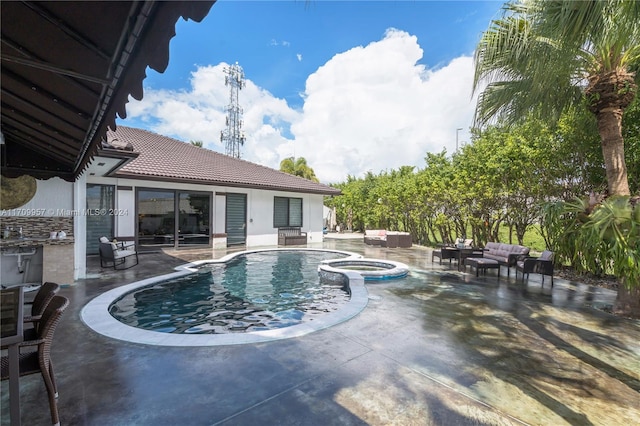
(95, 314)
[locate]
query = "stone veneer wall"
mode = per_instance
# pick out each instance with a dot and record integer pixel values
(38, 226)
(58, 264)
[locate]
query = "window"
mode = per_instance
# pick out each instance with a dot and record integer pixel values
(287, 212)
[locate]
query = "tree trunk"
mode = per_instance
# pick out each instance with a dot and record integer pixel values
(628, 302)
(610, 129)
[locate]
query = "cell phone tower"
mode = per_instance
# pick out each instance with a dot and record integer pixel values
(232, 136)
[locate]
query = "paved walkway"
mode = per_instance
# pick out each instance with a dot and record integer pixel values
(437, 348)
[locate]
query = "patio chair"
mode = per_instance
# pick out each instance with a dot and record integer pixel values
(39, 361)
(443, 254)
(38, 305)
(116, 254)
(41, 300)
(464, 243)
(542, 265)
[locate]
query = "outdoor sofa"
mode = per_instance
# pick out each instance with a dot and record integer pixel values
(384, 238)
(291, 236)
(505, 254)
(374, 237)
(397, 239)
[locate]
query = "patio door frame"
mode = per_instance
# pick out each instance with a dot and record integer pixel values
(236, 219)
(175, 238)
(108, 220)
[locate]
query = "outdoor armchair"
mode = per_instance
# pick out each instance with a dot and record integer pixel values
(116, 254)
(542, 265)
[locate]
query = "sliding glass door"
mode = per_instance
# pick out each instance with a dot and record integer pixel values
(194, 218)
(156, 217)
(173, 218)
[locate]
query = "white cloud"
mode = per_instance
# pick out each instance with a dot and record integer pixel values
(374, 108)
(299, 56)
(370, 108)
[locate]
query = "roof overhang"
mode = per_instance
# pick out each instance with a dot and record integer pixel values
(68, 68)
(108, 161)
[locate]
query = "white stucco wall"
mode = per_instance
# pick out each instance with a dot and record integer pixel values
(260, 231)
(53, 197)
(260, 216)
(125, 209)
(219, 207)
(315, 218)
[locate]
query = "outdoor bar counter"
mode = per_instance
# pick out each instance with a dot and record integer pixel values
(57, 256)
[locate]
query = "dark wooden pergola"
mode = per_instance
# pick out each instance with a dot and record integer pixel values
(68, 68)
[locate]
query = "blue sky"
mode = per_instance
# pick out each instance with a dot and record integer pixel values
(381, 82)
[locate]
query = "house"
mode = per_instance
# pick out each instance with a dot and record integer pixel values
(68, 68)
(165, 193)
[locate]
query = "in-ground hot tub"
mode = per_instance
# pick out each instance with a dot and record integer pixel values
(370, 269)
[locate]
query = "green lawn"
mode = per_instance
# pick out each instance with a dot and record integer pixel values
(532, 238)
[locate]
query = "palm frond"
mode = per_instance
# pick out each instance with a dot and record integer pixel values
(551, 47)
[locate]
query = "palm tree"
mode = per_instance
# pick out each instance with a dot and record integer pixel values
(547, 55)
(298, 167)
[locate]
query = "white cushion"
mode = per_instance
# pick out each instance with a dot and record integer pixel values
(104, 240)
(119, 254)
(546, 255)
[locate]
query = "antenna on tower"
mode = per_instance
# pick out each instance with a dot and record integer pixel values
(232, 136)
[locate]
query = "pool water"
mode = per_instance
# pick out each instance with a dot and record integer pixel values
(252, 292)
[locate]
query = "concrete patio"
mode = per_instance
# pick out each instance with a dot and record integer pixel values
(444, 348)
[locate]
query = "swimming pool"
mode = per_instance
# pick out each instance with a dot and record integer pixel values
(251, 292)
(256, 292)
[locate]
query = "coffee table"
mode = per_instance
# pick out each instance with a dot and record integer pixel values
(482, 264)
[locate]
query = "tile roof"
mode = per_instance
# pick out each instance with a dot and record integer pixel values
(167, 159)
